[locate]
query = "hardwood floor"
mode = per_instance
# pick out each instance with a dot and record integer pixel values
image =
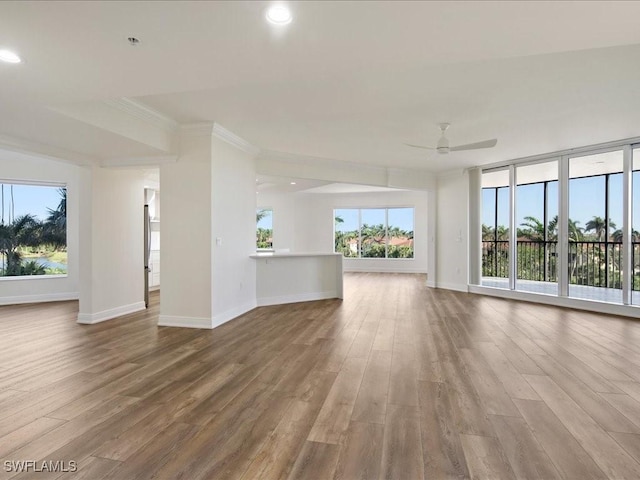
(397, 381)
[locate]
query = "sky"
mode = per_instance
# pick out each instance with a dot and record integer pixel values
(586, 200)
(398, 217)
(267, 220)
(33, 199)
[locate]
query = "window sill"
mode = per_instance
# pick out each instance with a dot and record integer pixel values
(31, 277)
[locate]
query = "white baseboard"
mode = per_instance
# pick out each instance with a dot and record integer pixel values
(400, 266)
(300, 297)
(224, 317)
(186, 322)
(458, 287)
(577, 303)
(44, 297)
(431, 283)
(91, 318)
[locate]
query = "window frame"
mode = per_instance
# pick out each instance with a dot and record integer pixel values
(40, 183)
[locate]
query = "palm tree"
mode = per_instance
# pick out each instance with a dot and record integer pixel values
(617, 236)
(262, 214)
(55, 226)
(575, 231)
(24, 231)
(264, 237)
(599, 226)
(502, 233)
(552, 229)
(487, 233)
(373, 233)
(373, 237)
(342, 242)
(534, 229)
(338, 219)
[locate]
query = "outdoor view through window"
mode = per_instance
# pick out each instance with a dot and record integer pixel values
(33, 230)
(374, 232)
(264, 228)
(595, 220)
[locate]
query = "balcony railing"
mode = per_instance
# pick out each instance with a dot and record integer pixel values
(596, 264)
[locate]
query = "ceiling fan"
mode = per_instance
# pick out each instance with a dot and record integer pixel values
(443, 143)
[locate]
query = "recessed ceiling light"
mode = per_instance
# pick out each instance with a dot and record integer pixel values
(9, 57)
(279, 15)
(293, 183)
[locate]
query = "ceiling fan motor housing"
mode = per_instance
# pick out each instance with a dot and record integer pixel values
(443, 144)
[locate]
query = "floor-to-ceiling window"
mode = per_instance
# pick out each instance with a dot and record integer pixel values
(495, 228)
(537, 233)
(562, 230)
(594, 223)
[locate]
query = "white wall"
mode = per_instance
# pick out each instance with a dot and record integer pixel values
(233, 214)
(19, 167)
(112, 277)
(185, 236)
(452, 231)
(311, 218)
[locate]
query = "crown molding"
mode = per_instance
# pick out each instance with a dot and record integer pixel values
(200, 129)
(137, 109)
(36, 149)
(233, 139)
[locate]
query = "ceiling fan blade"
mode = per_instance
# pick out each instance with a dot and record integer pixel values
(474, 146)
(419, 146)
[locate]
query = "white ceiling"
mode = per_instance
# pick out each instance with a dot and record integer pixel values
(341, 188)
(347, 81)
(273, 184)
(267, 184)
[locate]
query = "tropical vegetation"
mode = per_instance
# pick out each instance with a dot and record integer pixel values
(595, 253)
(264, 236)
(374, 241)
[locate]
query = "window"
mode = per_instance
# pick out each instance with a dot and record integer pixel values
(595, 211)
(264, 228)
(569, 214)
(374, 232)
(33, 230)
(495, 229)
(536, 218)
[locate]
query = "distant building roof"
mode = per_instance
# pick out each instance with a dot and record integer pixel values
(401, 242)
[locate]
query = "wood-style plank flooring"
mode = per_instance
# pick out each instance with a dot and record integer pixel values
(397, 381)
